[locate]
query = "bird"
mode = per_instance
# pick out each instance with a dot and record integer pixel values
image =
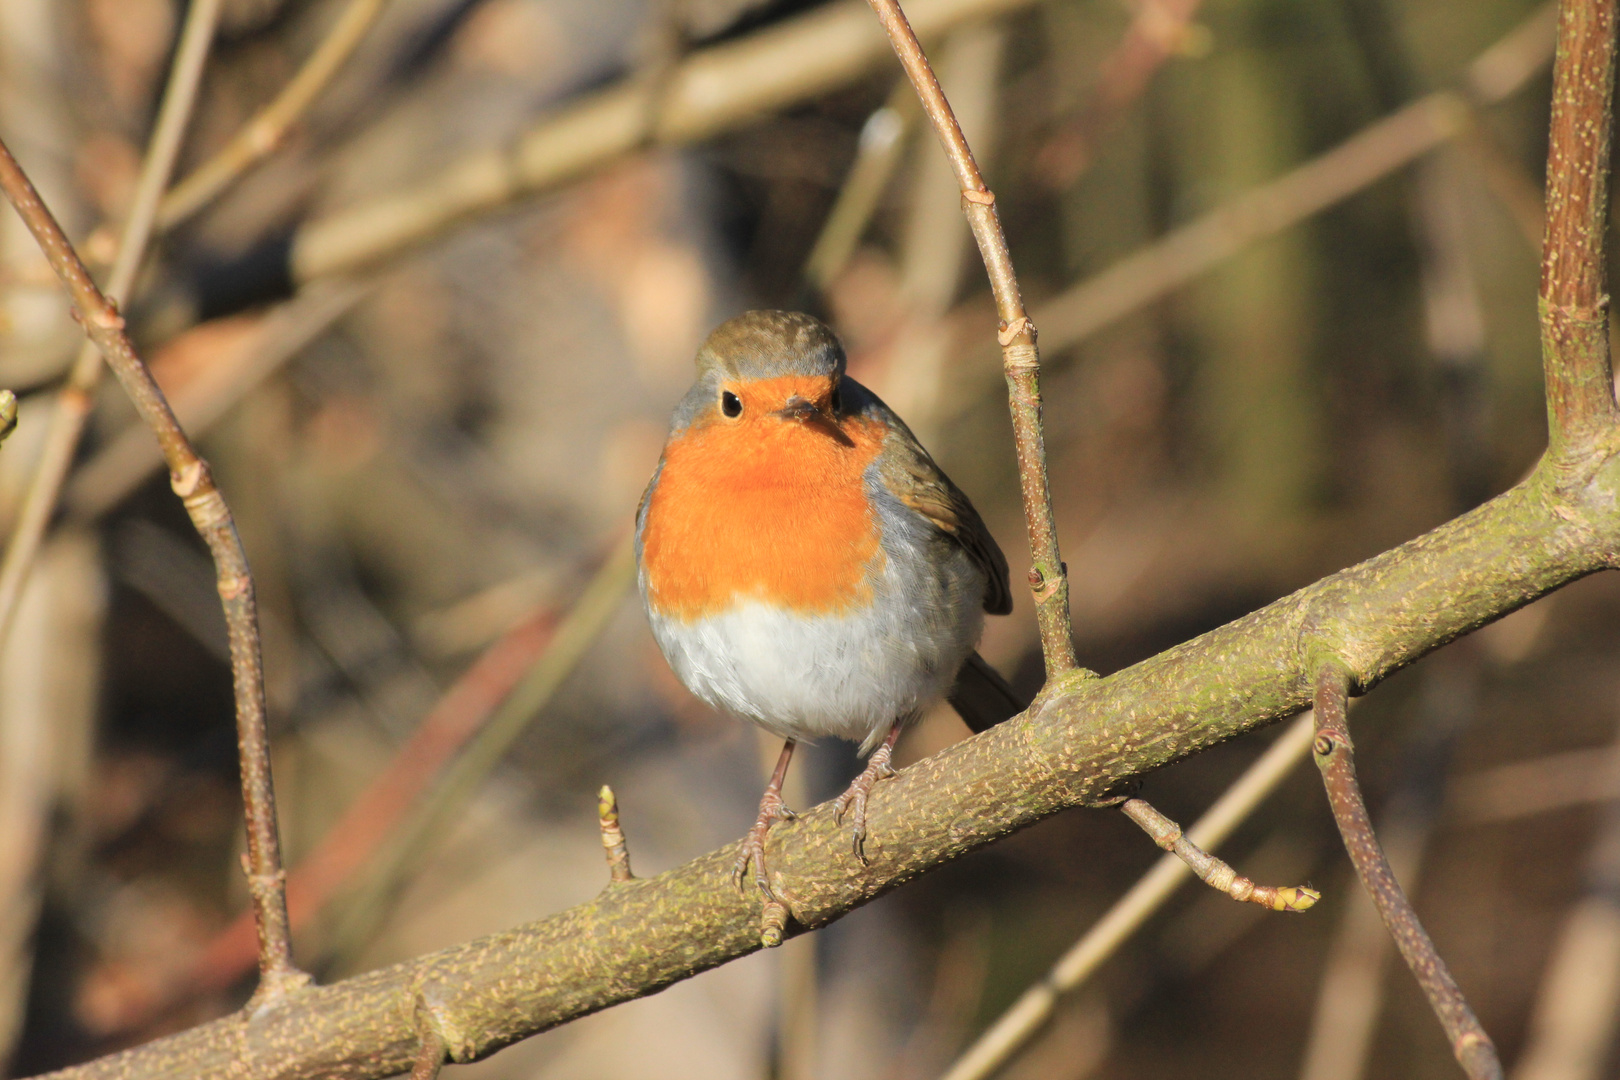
(806, 565)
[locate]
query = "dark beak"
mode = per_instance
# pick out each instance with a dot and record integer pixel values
(805, 412)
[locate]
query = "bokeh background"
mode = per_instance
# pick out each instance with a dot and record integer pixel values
(438, 453)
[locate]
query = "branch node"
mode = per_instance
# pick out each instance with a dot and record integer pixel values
(186, 481)
(106, 318)
(977, 197)
(1020, 358)
(773, 924)
(207, 509)
(433, 1045)
(613, 843)
(1009, 332)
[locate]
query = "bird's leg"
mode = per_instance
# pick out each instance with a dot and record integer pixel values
(771, 811)
(877, 768)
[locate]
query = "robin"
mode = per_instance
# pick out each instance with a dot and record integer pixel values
(807, 566)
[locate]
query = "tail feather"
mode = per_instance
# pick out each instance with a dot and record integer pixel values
(981, 697)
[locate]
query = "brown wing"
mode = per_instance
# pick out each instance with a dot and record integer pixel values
(917, 481)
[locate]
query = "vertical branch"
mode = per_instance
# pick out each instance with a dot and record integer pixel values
(1469, 1043)
(191, 480)
(1574, 298)
(1048, 577)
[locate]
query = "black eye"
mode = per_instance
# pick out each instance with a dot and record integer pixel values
(731, 404)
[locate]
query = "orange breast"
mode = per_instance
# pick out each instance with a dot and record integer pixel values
(764, 508)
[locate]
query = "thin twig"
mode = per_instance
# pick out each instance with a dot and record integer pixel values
(1048, 577)
(190, 477)
(73, 400)
(1351, 993)
(1574, 299)
(1469, 1043)
(1031, 1011)
(1212, 871)
(260, 136)
(613, 843)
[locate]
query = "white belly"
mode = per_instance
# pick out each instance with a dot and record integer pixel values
(848, 676)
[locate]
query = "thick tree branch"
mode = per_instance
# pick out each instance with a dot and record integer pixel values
(1574, 296)
(192, 481)
(1082, 741)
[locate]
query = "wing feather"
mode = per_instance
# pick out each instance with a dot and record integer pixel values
(913, 477)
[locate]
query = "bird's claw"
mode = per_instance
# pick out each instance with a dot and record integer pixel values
(855, 798)
(771, 811)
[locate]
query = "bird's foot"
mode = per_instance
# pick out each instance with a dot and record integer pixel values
(860, 789)
(771, 810)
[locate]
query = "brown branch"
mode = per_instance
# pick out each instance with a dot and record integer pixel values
(261, 135)
(72, 404)
(1574, 299)
(192, 481)
(1081, 742)
(1048, 577)
(1469, 1043)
